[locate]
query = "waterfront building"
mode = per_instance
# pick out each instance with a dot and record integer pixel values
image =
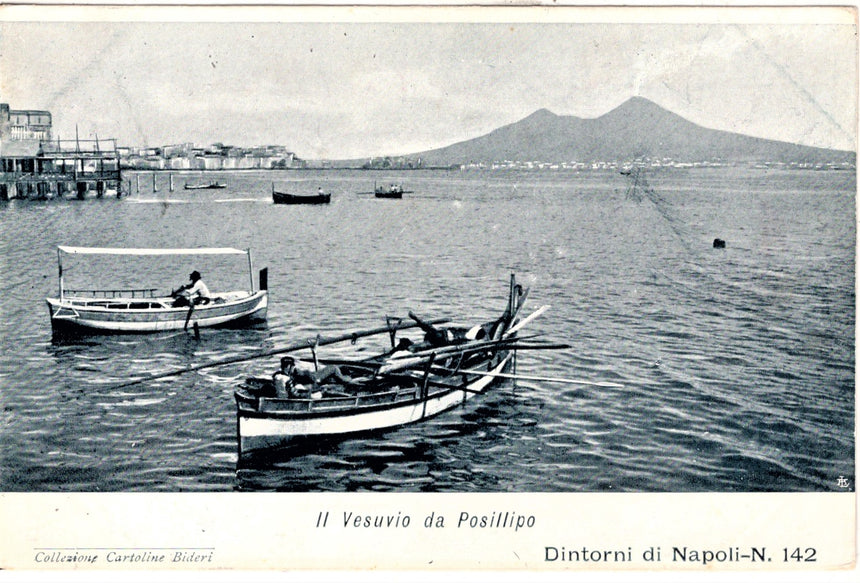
(35, 166)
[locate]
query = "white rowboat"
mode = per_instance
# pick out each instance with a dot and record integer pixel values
(389, 391)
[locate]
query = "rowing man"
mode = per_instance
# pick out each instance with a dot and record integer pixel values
(194, 293)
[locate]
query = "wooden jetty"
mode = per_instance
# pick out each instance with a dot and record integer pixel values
(42, 170)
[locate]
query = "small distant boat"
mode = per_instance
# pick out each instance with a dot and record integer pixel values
(211, 185)
(287, 198)
(103, 311)
(392, 191)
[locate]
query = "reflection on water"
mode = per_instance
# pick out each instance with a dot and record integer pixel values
(736, 364)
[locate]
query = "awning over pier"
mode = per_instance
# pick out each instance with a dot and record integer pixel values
(143, 251)
(19, 148)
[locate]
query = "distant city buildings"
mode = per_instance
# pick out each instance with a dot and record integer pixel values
(393, 163)
(218, 156)
(645, 163)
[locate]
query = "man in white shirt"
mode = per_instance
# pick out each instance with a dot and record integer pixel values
(194, 293)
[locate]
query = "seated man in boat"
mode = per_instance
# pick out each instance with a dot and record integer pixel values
(194, 293)
(302, 381)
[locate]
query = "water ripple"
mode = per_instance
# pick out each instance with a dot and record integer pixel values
(736, 366)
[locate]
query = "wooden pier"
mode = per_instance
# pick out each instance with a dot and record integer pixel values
(40, 170)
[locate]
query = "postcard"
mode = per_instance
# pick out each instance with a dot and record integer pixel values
(494, 290)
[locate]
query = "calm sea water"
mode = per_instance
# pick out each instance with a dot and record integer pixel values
(737, 364)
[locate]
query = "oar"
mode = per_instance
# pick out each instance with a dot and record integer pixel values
(529, 377)
(454, 387)
(526, 320)
(291, 348)
(373, 364)
(473, 346)
(541, 346)
(188, 317)
(422, 357)
(434, 383)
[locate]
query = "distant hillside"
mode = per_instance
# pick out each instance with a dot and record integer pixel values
(638, 128)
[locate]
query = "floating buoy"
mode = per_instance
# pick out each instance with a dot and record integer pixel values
(719, 244)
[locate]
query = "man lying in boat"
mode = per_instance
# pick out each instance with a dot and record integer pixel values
(446, 336)
(196, 292)
(301, 381)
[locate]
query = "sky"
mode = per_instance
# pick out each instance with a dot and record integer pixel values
(349, 87)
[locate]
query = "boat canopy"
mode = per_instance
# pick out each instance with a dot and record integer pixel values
(143, 251)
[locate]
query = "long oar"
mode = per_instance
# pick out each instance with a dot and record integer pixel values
(435, 383)
(290, 348)
(422, 357)
(520, 377)
(526, 320)
(409, 359)
(442, 351)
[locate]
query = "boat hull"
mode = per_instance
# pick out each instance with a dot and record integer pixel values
(286, 198)
(118, 315)
(259, 430)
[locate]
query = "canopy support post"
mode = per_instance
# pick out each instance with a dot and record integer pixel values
(60, 267)
(250, 271)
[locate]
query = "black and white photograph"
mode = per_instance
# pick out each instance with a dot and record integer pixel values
(427, 275)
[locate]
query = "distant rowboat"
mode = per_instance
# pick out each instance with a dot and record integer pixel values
(287, 198)
(211, 185)
(392, 191)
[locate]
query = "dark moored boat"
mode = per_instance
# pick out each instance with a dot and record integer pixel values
(287, 198)
(211, 185)
(410, 383)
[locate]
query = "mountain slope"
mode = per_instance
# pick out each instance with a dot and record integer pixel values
(638, 128)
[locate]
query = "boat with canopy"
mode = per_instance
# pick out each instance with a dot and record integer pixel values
(143, 310)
